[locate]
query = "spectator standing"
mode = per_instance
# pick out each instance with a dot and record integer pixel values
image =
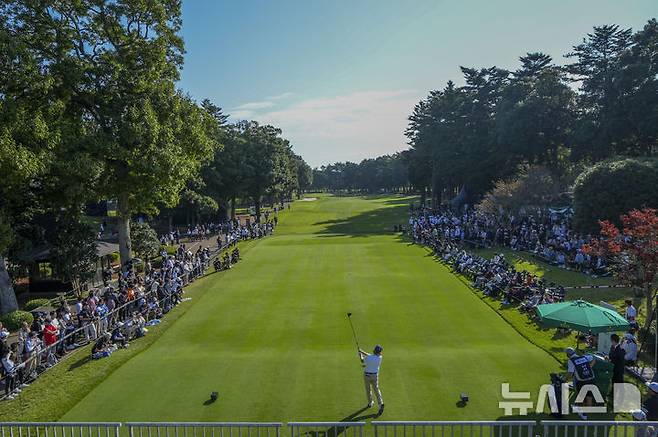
(631, 313)
(617, 358)
(23, 334)
(101, 312)
(9, 369)
(50, 333)
(630, 347)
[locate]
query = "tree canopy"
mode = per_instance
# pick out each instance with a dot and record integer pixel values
(90, 111)
(601, 104)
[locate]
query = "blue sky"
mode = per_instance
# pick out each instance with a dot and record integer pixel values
(340, 77)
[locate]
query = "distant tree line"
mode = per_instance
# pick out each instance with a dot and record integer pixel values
(386, 173)
(602, 104)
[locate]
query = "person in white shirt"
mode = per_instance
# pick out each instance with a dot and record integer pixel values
(371, 363)
(629, 344)
(10, 376)
(631, 312)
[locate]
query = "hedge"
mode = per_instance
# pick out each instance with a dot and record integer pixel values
(36, 303)
(13, 321)
(609, 189)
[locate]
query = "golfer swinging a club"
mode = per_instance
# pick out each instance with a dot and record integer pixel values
(371, 374)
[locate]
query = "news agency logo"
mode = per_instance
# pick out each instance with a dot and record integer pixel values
(626, 399)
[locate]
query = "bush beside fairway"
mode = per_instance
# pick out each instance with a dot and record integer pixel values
(271, 335)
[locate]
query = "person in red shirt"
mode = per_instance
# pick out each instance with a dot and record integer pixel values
(50, 333)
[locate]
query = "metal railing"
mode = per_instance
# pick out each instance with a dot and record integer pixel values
(595, 428)
(45, 357)
(59, 429)
(204, 429)
(326, 429)
(502, 428)
(512, 428)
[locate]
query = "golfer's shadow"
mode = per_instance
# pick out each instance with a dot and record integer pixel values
(335, 431)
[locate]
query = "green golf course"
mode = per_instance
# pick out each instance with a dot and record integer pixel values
(272, 336)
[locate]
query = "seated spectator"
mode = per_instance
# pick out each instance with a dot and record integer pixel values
(117, 337)
(102, 348)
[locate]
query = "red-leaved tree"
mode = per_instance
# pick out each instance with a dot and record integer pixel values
(632, 251)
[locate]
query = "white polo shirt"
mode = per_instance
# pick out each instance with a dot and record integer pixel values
(631, 313)
(372, 363)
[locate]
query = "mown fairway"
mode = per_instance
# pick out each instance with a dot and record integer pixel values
(272, 335)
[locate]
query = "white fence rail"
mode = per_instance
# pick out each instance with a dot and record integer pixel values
(59, 429)
(516, 428)
(575, 428)
(326, 429)
(203, 429)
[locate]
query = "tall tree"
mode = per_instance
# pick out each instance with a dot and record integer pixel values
(535, 114)
(225, 175)
(596, 65)
(304, 175)
(116, 64)
(31, 128)
(264, 151)
(638, 81)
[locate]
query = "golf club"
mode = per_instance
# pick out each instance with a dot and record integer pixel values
(356, 340)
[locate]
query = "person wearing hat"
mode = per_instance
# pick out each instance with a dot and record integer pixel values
(650, 404)
(581, 370)
(371, 363)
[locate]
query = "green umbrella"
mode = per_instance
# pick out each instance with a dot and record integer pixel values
(581, 316)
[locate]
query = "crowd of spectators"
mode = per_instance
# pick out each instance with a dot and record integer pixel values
(113, 315)
(545, 234)
(446, 232)
(231, 230)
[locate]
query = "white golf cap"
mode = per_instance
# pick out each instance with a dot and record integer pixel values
(653, 386)
(639, 415)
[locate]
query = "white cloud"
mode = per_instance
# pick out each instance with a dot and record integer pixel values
(346, 127)
(241, 114)
(255, 105)
(281, 96)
